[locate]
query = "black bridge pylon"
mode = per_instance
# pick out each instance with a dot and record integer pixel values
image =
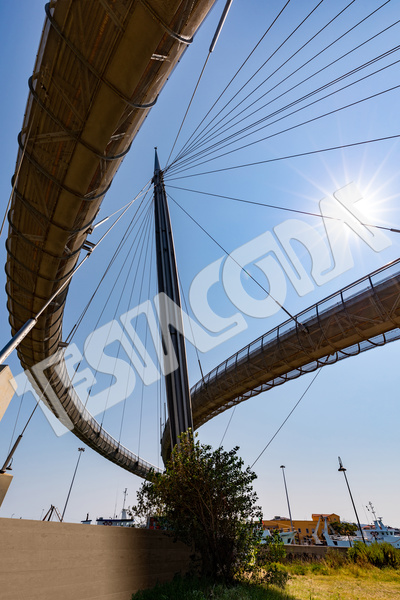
(174, 352)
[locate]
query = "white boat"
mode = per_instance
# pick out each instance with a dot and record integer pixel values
(288, 537)
(378, 533)
(381, 533)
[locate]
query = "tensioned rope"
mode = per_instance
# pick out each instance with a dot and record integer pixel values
(137, 251)
(144, 271)
(135, 221)
(17, 417)
(228, 425)
(297, 101)
(120, 245)
(191, 327)
(150, 273)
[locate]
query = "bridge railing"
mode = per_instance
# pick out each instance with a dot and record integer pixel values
(277, 335)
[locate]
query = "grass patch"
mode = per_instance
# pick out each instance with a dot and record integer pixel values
(347, 582)
(350, 582)
(336, 577)
(203, 589)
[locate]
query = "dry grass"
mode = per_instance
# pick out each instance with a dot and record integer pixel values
(346, 583)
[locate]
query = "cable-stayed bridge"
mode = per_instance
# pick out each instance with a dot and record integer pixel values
(88, 98)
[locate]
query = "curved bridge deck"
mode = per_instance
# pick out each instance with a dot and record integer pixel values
(99, 69)
(361, 316)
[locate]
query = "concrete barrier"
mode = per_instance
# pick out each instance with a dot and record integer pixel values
(67, 561)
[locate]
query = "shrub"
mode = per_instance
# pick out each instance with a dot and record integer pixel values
(207, 501)
(379, 555)
(276, 574)
(273, 550)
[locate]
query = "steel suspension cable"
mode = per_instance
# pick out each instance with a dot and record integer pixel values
(240, 133)
(225, 128)
(289, 156)
(329, 113)
(128, 231)
(202, 140)
(211, 48)
(268, 59)
(229, 422)
(138, 246)
(149, 238)
(110, 263)
(315, 73)
(284, 208)
(17, 417)
(235, 75)
(237, 263)
(191, 328)
(287, 418)
(129, 304)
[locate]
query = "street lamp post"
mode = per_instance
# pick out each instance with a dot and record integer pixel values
(80, 450)
(287, 495)
(343, 470)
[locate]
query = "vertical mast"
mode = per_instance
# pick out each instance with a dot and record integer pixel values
(176, 381)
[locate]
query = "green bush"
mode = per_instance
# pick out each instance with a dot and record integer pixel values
(379, 555)
(276, 574)
(273, 550)
(268, 569)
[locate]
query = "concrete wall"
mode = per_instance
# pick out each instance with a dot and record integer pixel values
(294, 552)
(66, 561)
(5, 480)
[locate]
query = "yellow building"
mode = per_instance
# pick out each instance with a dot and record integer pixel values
(304, 529)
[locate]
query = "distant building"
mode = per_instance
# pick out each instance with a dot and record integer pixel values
(304, 529)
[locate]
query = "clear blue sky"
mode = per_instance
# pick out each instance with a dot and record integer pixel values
(352, 409)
